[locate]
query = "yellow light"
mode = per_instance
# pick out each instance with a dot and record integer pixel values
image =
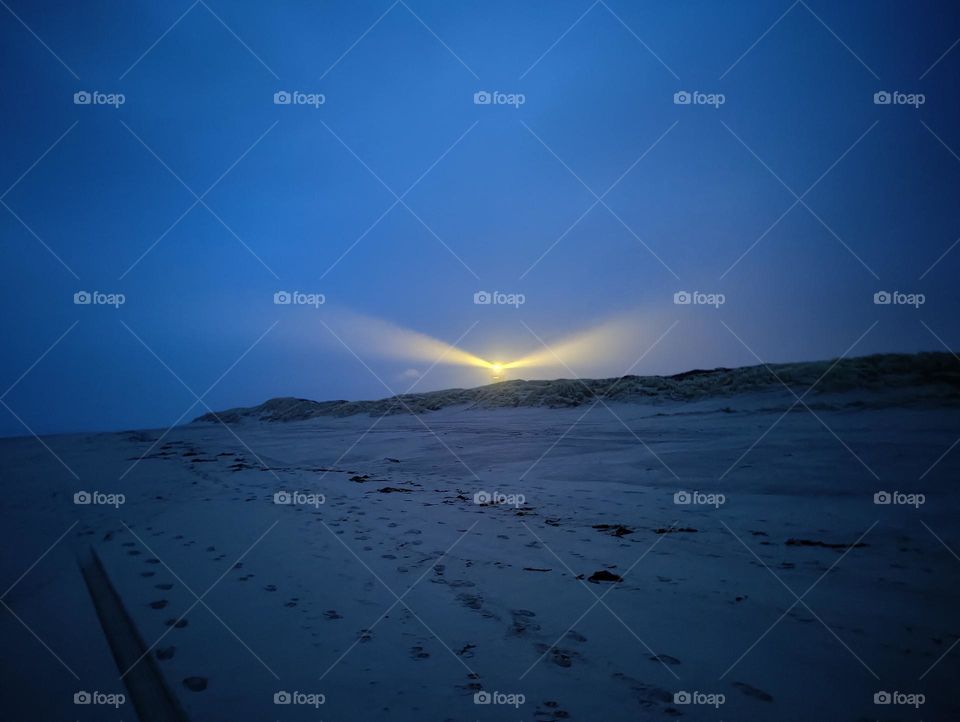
(569, 355)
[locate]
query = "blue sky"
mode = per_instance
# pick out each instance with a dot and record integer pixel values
(294, 187)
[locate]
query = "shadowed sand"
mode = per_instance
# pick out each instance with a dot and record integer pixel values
(587, 589)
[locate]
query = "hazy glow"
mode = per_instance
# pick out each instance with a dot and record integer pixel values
(610, 340)
(611, 343)
(371, 336)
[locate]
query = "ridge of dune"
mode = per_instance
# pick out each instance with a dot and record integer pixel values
(933, 376)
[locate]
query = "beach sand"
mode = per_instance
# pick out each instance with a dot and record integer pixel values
(387, 592)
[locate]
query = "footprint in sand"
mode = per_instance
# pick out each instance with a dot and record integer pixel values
(751, 691)
(522, 622)
(648, 695)
(553, 711)
(560, 657)
(470, 601)
(195, 684)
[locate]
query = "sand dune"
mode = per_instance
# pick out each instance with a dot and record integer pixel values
(923, 377)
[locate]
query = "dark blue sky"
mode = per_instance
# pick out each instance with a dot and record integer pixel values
(304, 183)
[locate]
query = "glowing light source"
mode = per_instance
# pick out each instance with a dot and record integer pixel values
(611, 341)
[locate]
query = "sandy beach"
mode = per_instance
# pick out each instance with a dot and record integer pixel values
(585, 563)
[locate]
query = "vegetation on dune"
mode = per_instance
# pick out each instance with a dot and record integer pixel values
(936, 373)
